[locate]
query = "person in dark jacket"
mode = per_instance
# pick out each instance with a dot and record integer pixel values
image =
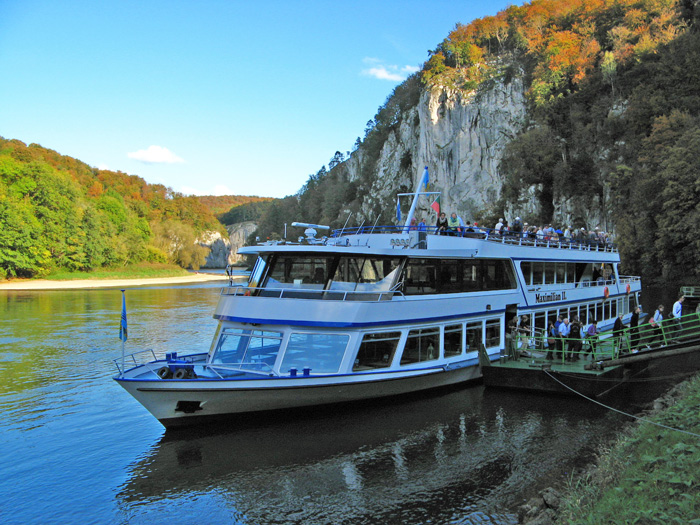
(634, 329)
(618, 329)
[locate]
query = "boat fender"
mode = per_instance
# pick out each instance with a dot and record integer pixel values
(181, 373)
(628, 289)
(606, 292)
(164, 373)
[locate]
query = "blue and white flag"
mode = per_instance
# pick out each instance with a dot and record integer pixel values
(398, 209)
(425, 182)
(122, 324)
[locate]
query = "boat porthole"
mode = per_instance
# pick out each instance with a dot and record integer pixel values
(164, 373)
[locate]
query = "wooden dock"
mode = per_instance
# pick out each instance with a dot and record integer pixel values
(613, 364)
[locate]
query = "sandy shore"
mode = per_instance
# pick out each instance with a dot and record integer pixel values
(44, 284)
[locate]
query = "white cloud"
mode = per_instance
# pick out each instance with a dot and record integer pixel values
(103, 166)
(188, 190)
(220, 189)
(382, 71)
(155, 155)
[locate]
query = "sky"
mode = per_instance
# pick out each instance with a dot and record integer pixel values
(211, 97)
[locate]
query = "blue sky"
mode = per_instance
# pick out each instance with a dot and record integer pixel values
(211, 97)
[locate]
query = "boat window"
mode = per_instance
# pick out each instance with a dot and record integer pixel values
(599, 312)
(322, 353)
(247, 349)
(561, 273)
(258, 271)
(540, 322)
(493, 333)
(526, 268)
(549, 272)
(365, 274)
(422, 344)
(474, 339)
(538, 273)
(453, 340)
(299, 271)
(429, 276)
(613, 308)
(376, 351)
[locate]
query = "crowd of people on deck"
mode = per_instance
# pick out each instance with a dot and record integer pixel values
(570, 340)
(456, 226)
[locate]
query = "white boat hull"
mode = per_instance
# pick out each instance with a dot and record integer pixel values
(186, 402)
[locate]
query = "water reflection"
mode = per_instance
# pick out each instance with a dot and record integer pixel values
(465, 456)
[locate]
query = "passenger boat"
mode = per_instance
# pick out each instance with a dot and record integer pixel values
(371, 312)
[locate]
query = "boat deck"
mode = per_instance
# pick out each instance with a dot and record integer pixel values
(594, 375)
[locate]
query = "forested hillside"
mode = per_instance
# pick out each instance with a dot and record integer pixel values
(613, 125)
(58, 212)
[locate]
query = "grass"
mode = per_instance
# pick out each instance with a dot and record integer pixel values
(136, 271)
(649, 475)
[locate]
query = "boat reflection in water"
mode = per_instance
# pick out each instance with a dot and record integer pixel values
(465, 456)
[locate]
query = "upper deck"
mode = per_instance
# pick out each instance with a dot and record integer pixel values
(388, 240)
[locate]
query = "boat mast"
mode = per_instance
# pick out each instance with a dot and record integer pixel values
(422, 184)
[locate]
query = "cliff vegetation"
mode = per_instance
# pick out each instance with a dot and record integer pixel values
(610, 137)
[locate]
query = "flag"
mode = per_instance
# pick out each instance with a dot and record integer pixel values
(398, 209)
(436, 205)
(122, 324)
(425, 181)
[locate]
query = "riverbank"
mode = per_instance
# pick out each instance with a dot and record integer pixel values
(648, 475)
(47, 284)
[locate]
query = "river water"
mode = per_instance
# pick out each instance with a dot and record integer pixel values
(78, 449)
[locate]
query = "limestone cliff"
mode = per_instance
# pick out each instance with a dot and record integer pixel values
(460, 137)
(238, 233)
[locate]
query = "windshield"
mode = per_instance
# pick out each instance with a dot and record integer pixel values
(253, 350)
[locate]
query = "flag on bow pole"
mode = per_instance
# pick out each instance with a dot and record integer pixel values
(122, 324)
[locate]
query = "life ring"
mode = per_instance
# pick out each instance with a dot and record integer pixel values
(164, 373)
(181, 373)
(247, 292)
(606, 292)
(628, 289)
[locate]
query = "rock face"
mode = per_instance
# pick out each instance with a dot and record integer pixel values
(220, 248)
(460, 138)
(238, 233)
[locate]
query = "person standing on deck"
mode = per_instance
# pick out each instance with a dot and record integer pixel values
(658, 319)
(618, 328)
(559, 341)
(634, 330)
(564, 331)
(678, 313)
(574, 339)
(591, 335)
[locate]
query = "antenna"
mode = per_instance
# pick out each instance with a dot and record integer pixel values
(346, 223)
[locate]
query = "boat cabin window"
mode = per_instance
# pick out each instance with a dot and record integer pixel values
(365, 274)
(430, 276)
(299, 271)
(474, 335)
(376, 351)
(582, 274)
(322, 353)
(258, 271)
(246, 349)
(453, 340)
(422, 344)
(493, 333)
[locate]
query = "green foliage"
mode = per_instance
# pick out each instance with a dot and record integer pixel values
(177, 240)
(58, 213)
(650, 476)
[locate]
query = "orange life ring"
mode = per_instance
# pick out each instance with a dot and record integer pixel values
(628, 289)
(606, 292)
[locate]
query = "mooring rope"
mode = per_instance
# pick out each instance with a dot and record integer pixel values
(620, 411)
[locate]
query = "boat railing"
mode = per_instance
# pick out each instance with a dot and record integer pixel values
(611, 345)
(252, 367)
(141, 357)
(307, 293)
(489, 234)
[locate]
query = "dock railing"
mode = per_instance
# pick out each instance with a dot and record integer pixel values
(607, 345)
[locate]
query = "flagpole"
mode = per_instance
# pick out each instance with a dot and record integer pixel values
(422, 184)
(122, 329)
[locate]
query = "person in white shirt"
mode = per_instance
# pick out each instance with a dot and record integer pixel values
(564, 331)
(678, 312)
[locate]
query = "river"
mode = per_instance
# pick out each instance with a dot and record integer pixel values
(78, 449)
